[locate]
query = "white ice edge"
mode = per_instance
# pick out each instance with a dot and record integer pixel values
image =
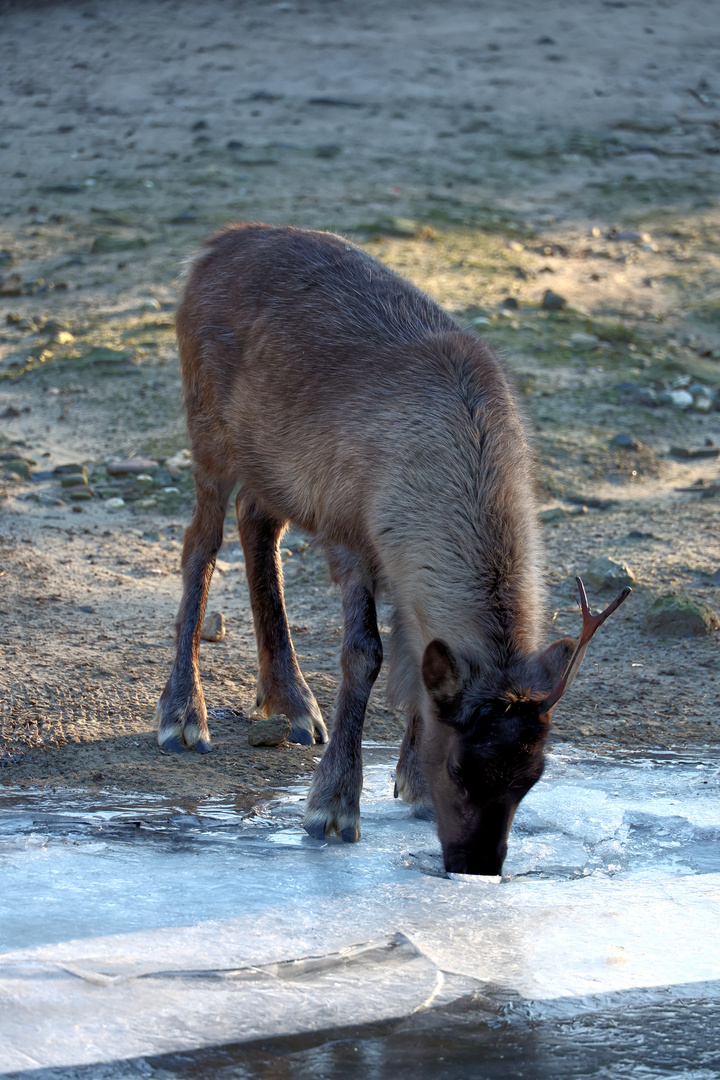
(329, 935)
(476, 879)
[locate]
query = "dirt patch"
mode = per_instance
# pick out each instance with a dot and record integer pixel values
(487, 157)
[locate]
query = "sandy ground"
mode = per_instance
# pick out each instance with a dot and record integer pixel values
(485, 155)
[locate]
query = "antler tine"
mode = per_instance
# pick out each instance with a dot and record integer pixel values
(590, 625)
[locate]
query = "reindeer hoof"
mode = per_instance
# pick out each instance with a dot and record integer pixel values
(172, 746)
(316, 831)
(302, 736)
(351, 834)
(202, 746)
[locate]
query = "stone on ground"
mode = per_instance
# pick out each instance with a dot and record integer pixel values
(270, 732)
(607, 573)
(213, 627)
(678, 615)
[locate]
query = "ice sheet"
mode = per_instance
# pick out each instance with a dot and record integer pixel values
(130, 928)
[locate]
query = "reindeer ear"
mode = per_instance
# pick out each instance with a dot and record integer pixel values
(441, 676)
(553, 661)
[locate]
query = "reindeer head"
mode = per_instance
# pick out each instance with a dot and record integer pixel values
(487, 748)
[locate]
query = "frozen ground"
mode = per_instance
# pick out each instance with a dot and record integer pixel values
(130, 929)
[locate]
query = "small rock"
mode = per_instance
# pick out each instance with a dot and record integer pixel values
(115, 503)
(56, 326)
(136, 465)
(213, 627)
(638, 534)
(178, 462)
(18, 467)
(328, 150)
(145, 504)
(80, 494)
(607, 573)
(679, 399)
(11, 413)
(632, 236)
(105, 243)
(271, 732)
(150, 304)
(625, 442)
(581, 338)
(70, 480)
(552, 301)
(678, 615)
(642, 395)
(685, 453)
(554, 513)
(187, 217)
(702, 404)
(510, 303)
(62, 470)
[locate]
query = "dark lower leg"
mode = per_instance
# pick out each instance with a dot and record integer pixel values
(181, 713)
(410, 783)
(333, 803)
(281, 686)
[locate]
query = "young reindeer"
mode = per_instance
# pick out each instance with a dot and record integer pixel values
(345, 401)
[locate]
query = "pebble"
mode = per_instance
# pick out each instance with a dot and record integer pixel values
(70, 480)
(642, 395)
(679, 399)
(702, 404)
(555, 513)
(115, 503)
(133, 465)
(607, 573)
(150, 304)
(678, 615)
(685, 453)
(178, 462)
(631, 236)
(145, 504)
(625, 442)
(213, 627)
(61, 470)
(552, 301)
(18, 468)
(581, 338)
(271, 732)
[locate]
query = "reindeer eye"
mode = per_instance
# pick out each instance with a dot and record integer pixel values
(454, 772)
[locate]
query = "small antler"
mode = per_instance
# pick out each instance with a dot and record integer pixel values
(589, 626)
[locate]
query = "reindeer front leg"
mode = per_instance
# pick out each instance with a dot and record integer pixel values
(333, 803)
